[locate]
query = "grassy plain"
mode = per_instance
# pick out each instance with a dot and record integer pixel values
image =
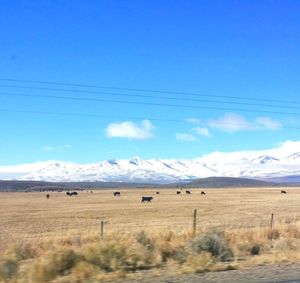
(37, 233)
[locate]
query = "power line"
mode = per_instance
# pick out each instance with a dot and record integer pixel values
(137, 96)
(153, 104)
(146, 90)
(89, 115)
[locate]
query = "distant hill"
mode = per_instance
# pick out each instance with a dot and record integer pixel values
(226, 182)
(288, 180)
(14, 186)
(20, 185)
(210, 182)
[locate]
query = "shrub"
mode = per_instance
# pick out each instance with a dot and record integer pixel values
(83, 271)
(151, 255)
(213, 243)
(63, 261)
(135, 258)
(8, 268)
(113, 258)
(145, 241)
(26, 251)
(255, 250)
(58, 263)
(109, 258)
(178, 253)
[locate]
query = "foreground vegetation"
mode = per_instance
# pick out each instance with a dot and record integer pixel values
(90, 259)
(81, 255)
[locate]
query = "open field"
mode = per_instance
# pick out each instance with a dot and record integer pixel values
(30, 215)
(73, 223)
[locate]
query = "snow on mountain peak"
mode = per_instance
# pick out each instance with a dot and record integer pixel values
(281, 161)
(294, 156)
(264, 159)
(136, 161)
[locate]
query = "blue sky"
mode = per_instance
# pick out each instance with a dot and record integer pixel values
(244, 49)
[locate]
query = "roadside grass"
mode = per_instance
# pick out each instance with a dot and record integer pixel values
(89, 259)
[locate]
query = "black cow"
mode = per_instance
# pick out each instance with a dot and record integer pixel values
(178, 192)
(47, 196)
(188, 192)
(117, 194)
(72, 194)
(146, 199)
(283, 192)
(202, 193)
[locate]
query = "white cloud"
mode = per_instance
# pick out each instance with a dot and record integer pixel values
(130, 130)
(185, 137)
(50, 148)
(202, 132)
(230, 123)
(268, 123)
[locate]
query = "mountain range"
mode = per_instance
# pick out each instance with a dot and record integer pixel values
(281, 163)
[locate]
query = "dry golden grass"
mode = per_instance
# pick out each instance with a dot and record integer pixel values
(58, 239)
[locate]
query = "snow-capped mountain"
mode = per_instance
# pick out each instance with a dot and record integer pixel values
(264, 159)
(280, 162)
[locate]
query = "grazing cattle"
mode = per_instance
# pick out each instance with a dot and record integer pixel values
(178, 192)
(117, 194)
(47, 196)
(202, 193)
(72, 193)
(147, 199)
(188, 192)
(157, 193)
(283, 192)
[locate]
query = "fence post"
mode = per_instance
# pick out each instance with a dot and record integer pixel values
(272, 219)
(194, 222)
(102, 229)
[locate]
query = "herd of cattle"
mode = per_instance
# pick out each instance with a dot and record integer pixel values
(118, 194)
(144, 198)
